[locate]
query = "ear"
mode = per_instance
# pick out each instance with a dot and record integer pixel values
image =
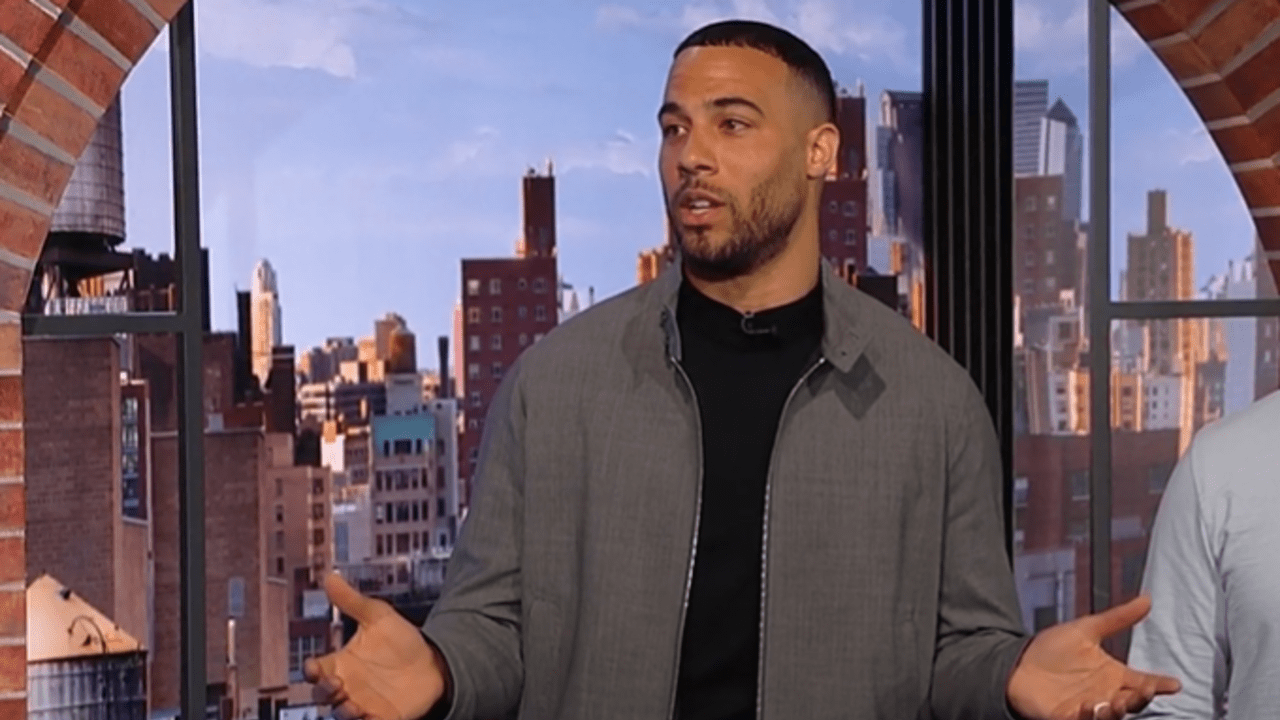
(822, 143)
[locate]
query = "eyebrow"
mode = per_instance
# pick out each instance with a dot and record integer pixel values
(724, 102)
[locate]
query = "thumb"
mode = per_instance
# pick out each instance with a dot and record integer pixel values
(1117, 619)
(360, 608)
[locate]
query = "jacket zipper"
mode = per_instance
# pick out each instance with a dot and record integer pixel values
(693, 549)
(764, 543)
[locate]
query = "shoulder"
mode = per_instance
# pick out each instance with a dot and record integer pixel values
(1239, 454)
(579, 348)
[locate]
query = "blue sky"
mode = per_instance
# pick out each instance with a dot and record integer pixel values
(365, 146)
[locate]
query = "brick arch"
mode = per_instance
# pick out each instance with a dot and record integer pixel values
(61, 64)
(1224, 54)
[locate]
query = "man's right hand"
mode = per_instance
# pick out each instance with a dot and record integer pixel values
(387, 672)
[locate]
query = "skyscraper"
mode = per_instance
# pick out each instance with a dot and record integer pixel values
(266, 311)
(1062, 153)
(1030, 102)
(1160, 266)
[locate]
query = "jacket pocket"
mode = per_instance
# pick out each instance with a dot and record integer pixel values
(541, 640)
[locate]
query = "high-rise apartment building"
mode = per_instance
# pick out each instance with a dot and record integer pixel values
(1160, 266)
(843, 224)
(507, 305)
(900, 154)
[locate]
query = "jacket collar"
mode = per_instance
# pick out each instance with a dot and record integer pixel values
(844, 336)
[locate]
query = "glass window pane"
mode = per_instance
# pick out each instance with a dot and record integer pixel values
(1051, 493)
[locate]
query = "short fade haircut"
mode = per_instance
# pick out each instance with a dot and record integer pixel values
(796, 53)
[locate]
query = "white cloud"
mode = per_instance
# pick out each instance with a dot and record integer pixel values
(301, 34)
(620, 155)
(476, 152)
(1190, 146)
(1050, 35)
(870, 37)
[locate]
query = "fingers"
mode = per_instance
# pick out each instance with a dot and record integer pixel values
(1151, 684)
(348, 710)
(327, 687)
(1117, 619)
(349, 600)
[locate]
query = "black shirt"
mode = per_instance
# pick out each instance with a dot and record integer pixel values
(741, 382)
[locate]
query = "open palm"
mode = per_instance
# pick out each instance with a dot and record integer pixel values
(386, 672)
(1065, 674)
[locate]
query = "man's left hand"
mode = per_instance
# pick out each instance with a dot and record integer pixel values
(1064, 674)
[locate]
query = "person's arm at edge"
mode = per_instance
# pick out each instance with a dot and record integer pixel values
(475, 625)
(1180, 636)
(980, 633)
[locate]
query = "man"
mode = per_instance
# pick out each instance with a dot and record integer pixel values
(1214, 573)
(743, 490)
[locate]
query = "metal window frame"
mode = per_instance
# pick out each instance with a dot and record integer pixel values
(188, 325)
(1104, 310)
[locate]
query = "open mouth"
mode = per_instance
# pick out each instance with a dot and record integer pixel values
(698, 205)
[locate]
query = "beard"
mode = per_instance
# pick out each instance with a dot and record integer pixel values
(756, 235)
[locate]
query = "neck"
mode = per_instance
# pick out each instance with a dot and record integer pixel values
(785, 279)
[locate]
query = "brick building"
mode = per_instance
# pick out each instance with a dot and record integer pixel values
(1051, 518)
(507, 305)
(79, 528)
(843, 222)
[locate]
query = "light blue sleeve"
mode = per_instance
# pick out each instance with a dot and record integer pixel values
(1184, 635)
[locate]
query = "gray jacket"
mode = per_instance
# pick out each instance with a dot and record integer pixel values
(886, 593)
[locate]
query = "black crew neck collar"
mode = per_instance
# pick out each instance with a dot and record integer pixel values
(797, 321)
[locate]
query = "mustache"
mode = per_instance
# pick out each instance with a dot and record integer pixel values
(711, 190)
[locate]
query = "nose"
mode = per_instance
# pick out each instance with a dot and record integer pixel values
(695, 156)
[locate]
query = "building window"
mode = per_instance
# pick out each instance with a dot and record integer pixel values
(415, 539)
(540, 285)
(378, 515)
(439, 507)
(473, 371)
(417, 450)
(280, 566)
(472, 424)
(1158, 477)
(474, 343)
(1048, 257)
(522, 284)
(497, 370)
(317, 536)
(524, 339)
(1078, 531)
(413, 511)
(833, 207)
(473, 287)
(495, 314)
(426, 510)
(537, 337)
(1020, 490)
(1030, 204)
(1051, 202)
(850, 237)
(317, 511)
(495, 343)
(522, 312)
(850, 208)
(475, 398)
(379, 545)
(495, 286)
(280, 540)
(279, 513)
(1079, 480)
(473, 316)
(317, 486)
(386, 448)
(279, 487)
(540, 313)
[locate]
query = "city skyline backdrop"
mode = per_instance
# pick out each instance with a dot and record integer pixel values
(364, 147)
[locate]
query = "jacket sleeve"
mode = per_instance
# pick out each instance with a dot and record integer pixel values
(1183, 636)
(980, 633)
(475, 625)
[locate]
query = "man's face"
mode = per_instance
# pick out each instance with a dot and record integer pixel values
(732, 158)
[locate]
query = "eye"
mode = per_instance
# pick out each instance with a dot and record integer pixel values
(734, 125)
